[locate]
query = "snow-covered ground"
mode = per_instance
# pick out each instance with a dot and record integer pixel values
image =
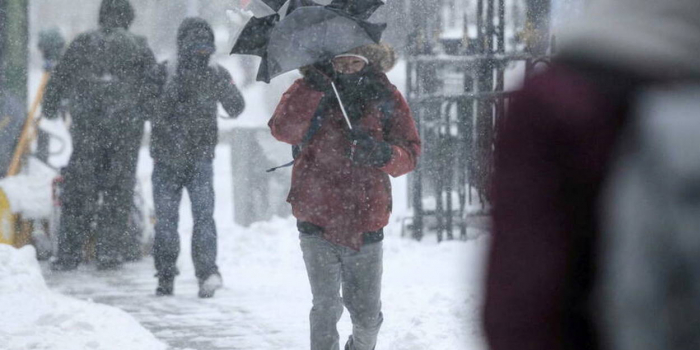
(431, 292)
(34, 317)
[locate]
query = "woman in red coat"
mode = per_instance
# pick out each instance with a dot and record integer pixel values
(341, 193)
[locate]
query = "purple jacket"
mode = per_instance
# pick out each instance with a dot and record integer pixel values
(551, 158)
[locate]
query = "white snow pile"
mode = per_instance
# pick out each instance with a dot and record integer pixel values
(33, 317)
(29, 193)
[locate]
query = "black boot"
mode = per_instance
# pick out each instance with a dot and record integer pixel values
(166, 285)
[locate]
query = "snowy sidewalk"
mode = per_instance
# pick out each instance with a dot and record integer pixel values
(183, 321)
(431, 294)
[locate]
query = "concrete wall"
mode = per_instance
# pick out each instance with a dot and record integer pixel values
(257, 194)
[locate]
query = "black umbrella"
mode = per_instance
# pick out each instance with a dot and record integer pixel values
(312, 34)
(253, 39)
(308, 34)
(361, 9)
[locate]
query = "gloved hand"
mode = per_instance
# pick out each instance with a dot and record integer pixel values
(368, 151)
(317, 80)
(158, 75)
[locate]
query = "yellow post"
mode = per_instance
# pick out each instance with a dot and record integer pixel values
(13, 230)
(7, 221)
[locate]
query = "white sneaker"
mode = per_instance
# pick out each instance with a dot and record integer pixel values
(208, 287)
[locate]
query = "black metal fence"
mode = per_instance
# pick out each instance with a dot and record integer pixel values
(457, 88)
(456, 101)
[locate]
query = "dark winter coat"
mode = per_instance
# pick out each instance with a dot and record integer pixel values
(185, 126)
(327, 189)
(552, 156)
(104, 74)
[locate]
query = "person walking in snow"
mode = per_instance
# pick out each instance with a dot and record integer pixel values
(340, 192)
(105, 76)
(184, 136)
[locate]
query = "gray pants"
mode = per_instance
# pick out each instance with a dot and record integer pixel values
(331, 266)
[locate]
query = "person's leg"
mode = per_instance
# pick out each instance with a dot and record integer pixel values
(200, 188)
(130, 247)
(323, 268)
(362, 282)
(167, 193)
(118, 178)
(78, 198)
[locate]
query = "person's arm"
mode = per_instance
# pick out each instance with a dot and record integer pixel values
(293, 114)
(403, 138)
(527, 265)
(228, 94)
(64, 76)
(154, 76)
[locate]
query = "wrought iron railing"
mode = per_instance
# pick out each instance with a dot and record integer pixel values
(449, 189)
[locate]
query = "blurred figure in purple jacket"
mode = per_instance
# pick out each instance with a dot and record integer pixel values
(553, 156)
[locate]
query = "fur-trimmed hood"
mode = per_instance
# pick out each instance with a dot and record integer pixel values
(381, 55)
(656, 38)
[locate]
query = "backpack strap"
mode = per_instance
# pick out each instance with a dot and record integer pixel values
(316, 123)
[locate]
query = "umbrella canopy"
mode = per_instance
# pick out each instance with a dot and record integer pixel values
(253, 38)
(312, 34)
(361, 9)
(309, 33)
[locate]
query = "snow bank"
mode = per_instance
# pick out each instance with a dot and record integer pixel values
(29, 193)
(33, 317)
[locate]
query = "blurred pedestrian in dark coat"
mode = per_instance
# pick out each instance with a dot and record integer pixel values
(553, 156)
(185, 134)
(104, 76)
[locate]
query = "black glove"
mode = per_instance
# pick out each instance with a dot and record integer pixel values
(317, 80)
(368, 151)
(157, 76)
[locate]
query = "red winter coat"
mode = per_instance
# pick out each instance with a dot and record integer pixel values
(327, 189)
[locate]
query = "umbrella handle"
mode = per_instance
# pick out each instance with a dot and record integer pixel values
(342, 108)
(347, 120)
